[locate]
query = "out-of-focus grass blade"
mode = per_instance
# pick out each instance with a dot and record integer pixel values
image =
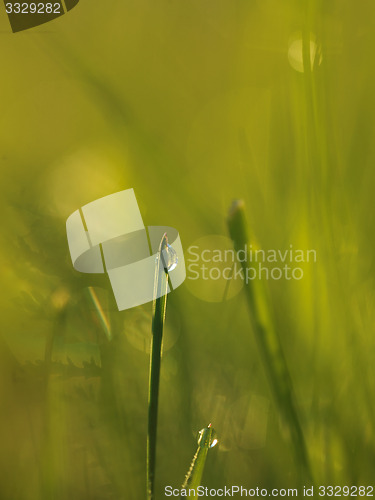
(193, 478)
(160, 304)
(267, 338)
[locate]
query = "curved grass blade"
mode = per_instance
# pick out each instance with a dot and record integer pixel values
(193, 477)
(159, 309)
(268, 339)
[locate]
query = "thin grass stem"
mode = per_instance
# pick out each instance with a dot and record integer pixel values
(193, 477)
(159, 310)
(268, 340)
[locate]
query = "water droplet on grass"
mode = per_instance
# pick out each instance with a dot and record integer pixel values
(170, 258)
(207, 437)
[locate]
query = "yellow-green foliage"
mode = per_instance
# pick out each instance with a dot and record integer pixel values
(192, 104)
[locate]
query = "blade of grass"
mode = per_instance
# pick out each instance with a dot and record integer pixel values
(160, 303)
(268, 340)
(194, 475)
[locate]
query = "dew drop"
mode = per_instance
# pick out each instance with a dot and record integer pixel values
(207, 437)
(170, 258)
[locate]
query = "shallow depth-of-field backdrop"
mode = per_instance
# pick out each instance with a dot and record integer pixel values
(192, 104)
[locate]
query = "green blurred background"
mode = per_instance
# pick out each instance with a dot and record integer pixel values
(192, 104)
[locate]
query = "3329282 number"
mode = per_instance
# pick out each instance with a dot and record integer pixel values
(346, 491)
(33, 8)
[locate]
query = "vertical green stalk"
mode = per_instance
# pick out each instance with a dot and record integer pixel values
(193, 477)
(267, 339)
(159, 309)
